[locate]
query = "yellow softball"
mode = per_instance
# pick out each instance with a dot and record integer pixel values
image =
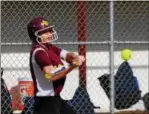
(126, 54)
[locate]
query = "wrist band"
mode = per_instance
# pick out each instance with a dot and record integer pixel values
(48, 76)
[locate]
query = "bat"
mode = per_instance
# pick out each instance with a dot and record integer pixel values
(61, 68)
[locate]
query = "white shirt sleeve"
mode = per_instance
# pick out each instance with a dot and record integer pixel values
(63, 54)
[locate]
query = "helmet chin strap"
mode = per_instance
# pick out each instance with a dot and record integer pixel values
(41, 43)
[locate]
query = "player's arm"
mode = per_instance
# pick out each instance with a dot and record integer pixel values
(72, 58)
(45, 64)
(53, 76)
(69, 57)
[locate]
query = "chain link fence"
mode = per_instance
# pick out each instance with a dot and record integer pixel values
(84, 28)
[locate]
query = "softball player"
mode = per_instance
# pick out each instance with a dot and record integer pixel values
(47, 76)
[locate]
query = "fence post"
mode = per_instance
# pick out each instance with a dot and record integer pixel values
(111, 8)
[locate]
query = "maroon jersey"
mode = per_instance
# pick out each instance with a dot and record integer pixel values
(39, 58)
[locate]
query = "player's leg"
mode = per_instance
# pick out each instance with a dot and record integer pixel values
(65, 108)
(47, 105)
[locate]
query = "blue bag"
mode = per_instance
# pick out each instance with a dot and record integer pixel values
(146, 101)
(81, 102)
(127, 90)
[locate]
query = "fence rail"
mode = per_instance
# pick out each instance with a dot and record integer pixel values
(76, 43)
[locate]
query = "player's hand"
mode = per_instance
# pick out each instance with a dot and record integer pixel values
(79, 60)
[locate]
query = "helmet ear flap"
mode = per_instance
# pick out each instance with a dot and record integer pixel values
(31, 32)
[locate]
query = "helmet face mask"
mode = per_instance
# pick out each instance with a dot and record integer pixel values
(39, 26)
(53, 36)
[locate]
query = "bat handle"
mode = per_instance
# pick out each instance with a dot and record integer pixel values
(59, 69)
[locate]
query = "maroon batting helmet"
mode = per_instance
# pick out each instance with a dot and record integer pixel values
(38, 26)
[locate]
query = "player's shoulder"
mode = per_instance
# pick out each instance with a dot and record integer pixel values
(54, 47)
(35, 47)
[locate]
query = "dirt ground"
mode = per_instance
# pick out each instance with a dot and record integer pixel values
(128, 112)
